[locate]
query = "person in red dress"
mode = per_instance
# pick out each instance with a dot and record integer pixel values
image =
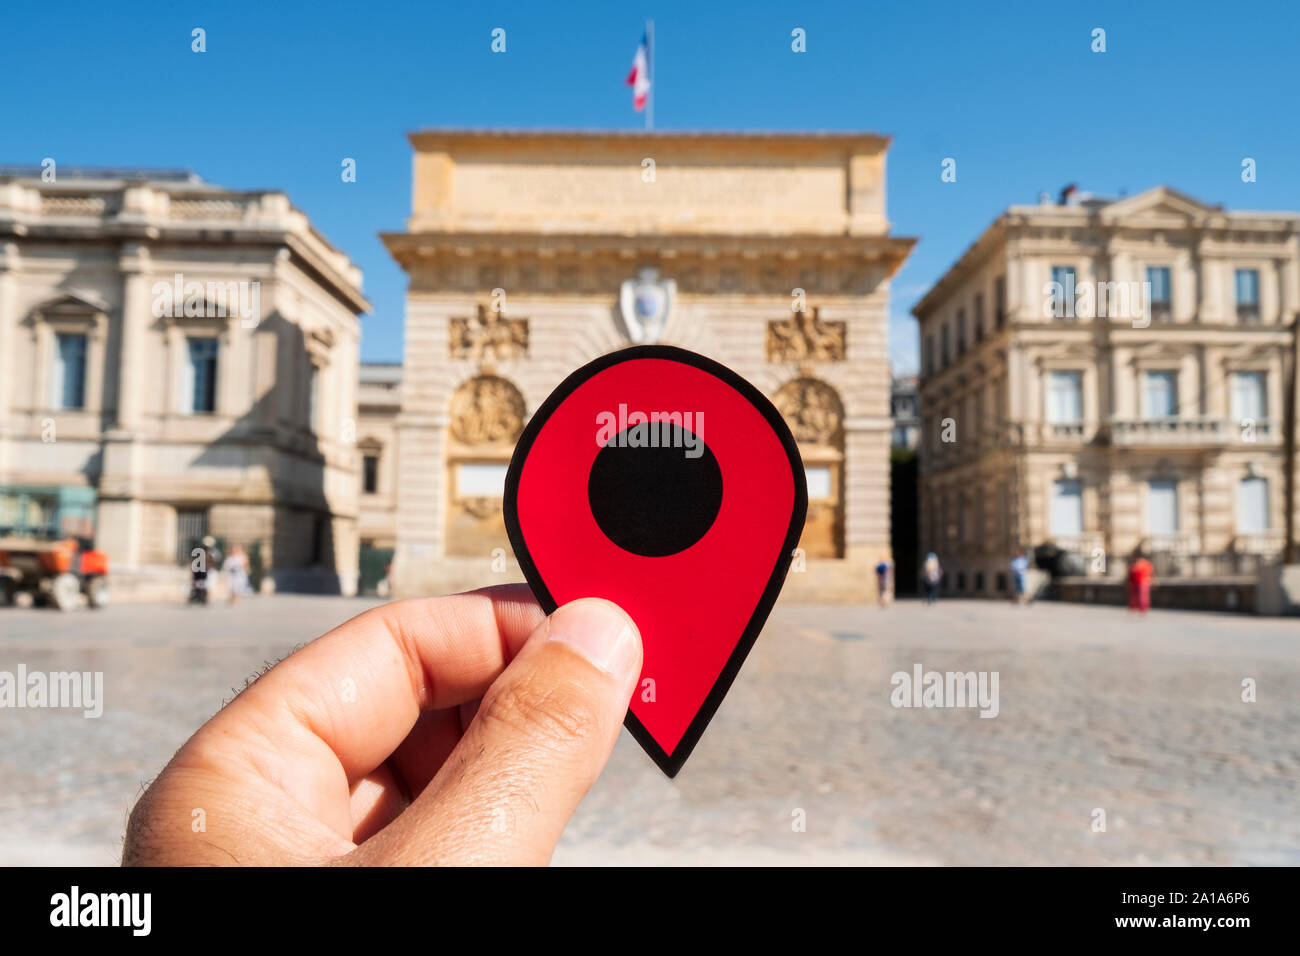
(1140, 573)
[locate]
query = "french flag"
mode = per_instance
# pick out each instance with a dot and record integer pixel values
(639, 77)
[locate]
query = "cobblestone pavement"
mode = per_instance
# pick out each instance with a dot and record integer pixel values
(1142, 718)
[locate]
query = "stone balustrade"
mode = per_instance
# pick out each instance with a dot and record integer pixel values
(1269, 543)
(1168, 431)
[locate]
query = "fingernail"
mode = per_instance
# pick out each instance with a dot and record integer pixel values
(598, 631)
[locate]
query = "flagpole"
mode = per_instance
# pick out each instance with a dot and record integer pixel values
(650, 55)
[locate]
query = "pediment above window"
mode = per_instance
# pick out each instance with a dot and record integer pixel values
(71, 304)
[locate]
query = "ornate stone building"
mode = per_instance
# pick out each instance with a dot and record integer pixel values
(531, 253)
(1106, 375)
(186, 356)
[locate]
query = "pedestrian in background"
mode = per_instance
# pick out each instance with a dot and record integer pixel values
(884, 571)
(236, 570)
(203, 559)
(931, 575)
(1140, 575)
(1020, 577)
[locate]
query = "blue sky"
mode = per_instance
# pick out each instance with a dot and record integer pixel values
(1012, 91)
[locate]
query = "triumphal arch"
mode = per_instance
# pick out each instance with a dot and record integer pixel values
(529, 253)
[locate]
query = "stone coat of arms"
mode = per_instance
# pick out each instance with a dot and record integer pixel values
(645, 303)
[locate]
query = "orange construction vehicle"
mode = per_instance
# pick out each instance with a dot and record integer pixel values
(45, 548)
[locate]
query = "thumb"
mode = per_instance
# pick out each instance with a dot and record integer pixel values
(540, 738)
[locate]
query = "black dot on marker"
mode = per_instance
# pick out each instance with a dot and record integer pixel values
(655, 501)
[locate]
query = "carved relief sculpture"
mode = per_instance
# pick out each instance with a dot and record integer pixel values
(485, 411)
(488, 338)
(804, 337)
(480, 508)
(812, 410)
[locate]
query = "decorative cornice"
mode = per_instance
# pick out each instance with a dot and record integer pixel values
(1142, 212)
(826, 265)
(136, 213)
(412, 245)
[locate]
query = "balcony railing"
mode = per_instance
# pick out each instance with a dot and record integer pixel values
(1176, 555)
(233, 209)
(1265, 543)
(1228, 564)
(1037, 433)
(1134, 432)
(95, 206)
(1179, 555)
(1250, 431)
(1066, 431)
(1177, 542)
(1168, 431)
(1193, 431)
(1087, 544)
(150, 202)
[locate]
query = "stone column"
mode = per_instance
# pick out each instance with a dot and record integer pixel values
(1270, 296)
(119, 527)
(420, 498)
(233, 369)
(136, 303)
(1013, 283)
(1032, 276)
(1213, 385)
(1124, 403)
(1016, 384)
(1198, 266)
(1206, 403)
(1289, 281)
(1210, 303)
(421, 428)
(1105, 384)
(1121, 264)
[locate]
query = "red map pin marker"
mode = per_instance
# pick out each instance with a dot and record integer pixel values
(666, 483)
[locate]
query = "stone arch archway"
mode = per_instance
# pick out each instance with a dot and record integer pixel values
(815, 414)
(486, 416)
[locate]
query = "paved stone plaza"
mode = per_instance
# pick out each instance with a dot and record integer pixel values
(1097, 709)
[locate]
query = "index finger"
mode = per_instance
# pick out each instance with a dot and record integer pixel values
(357, 691)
